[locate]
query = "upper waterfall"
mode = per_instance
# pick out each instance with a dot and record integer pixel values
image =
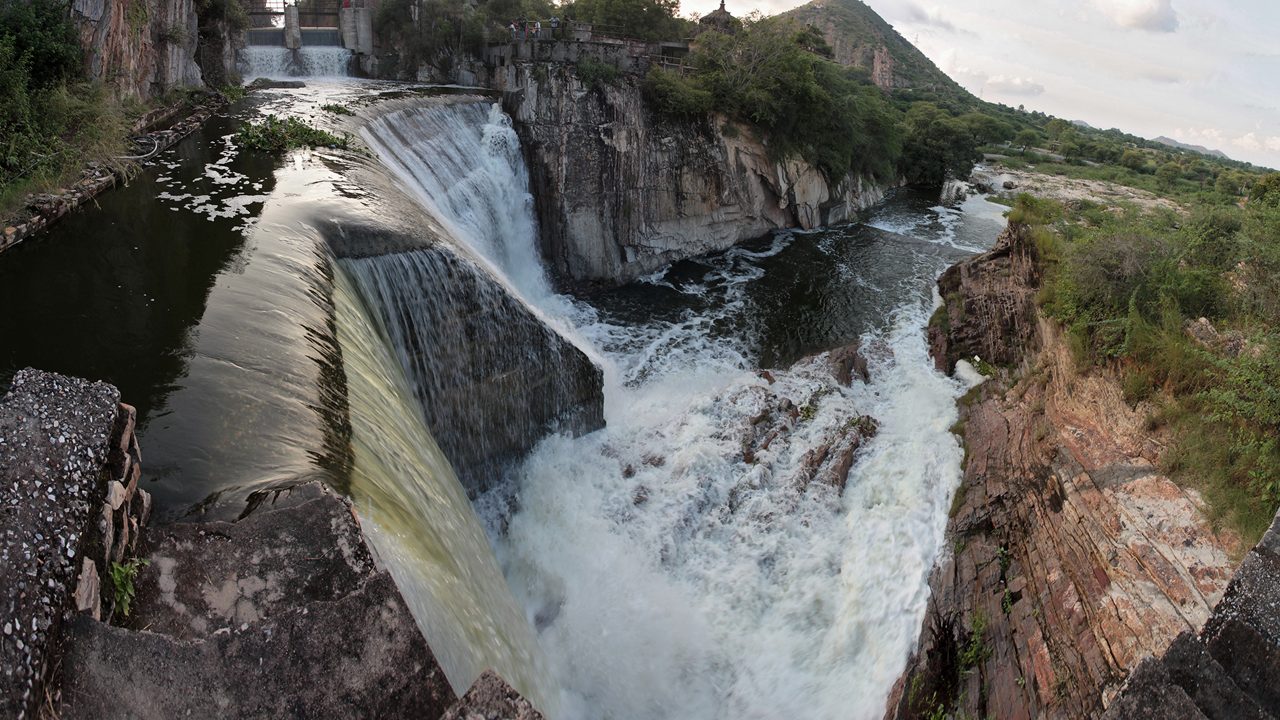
(270, 61)
(462, 162)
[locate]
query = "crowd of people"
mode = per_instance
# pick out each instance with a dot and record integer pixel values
(526, 29)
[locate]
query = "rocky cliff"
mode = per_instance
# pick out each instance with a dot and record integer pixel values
(146, 48)
(1073, 556)
(620, 193)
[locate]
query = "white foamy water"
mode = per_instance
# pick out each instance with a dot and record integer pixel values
(667, 574)
(803, 604)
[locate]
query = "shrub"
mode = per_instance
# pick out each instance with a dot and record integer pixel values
(275, 134)
(671, 95)
(594, 73)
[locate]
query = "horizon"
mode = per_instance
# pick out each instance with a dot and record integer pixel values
(1191, 70)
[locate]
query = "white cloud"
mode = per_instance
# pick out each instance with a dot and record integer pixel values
(1014, 86)
(1255, 142)
(915, 13)
(1152, 15)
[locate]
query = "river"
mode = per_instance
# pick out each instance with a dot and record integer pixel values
(651, 569)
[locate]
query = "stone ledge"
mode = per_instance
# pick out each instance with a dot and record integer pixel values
(69, 466)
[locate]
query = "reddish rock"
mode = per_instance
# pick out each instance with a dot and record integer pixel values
(1072, 553)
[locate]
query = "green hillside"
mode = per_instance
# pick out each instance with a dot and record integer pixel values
(857, 35)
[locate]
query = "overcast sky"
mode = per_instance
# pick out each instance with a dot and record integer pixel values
(1201, 71)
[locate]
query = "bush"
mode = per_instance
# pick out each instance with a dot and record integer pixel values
(275, 134)
(671, 95)
(593, 72)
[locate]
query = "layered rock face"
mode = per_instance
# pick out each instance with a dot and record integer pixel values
(1074, 558)
(620, 194)
(144, 47)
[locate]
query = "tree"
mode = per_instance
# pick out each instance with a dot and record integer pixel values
(1026, 139)
(1168, 174)
(1133, 159)
(1056, 127)
(1266, 191)
(644, 19)
(1227, 184)
(936, 147)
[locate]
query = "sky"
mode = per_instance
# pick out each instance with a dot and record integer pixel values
(1205, 72)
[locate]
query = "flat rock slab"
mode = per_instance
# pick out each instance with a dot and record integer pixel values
(54, 437)
(281, 614)
(295, 547)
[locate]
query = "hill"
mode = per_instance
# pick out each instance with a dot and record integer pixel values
(861, 38)
(1192, 148)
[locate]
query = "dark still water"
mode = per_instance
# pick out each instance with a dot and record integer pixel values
(201, 292)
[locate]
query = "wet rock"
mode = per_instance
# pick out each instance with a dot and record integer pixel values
(619, 195)
(848, 363)
(268, 84)
(1008, 185)
(280, 614)
(491, 698)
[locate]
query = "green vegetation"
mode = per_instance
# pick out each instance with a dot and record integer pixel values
(276, 134)
(594, 72)
(51, 122)
(773, 76)
(233, 93)
(1130, 287)
(975, 650)
(123, 577)
(336, 109)
(643, 19)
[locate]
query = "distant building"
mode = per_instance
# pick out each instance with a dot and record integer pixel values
(720, 21)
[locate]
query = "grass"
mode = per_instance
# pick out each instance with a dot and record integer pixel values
(276, 134)
(123, 578)
(336, 109)
(79, 124)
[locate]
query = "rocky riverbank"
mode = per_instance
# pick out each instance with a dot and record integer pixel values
(155, 131)
(1073, 556)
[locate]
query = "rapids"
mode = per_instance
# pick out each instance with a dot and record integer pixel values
(666, 575)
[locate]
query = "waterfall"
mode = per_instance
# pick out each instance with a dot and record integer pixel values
(462, 162)
(267, 61)
(489, 377)
(420, 522)
(668, 574)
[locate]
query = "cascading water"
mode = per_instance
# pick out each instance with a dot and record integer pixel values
(273, 62)
(419, 519)
(462, 162)
(669, 575)
(488, 376)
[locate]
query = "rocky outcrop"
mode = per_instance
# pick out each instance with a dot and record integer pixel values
(988, 305)
(620, 193)
(283, 613)
(1073, 556)
(144, 47)
(70, 507)
(1229, 670)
